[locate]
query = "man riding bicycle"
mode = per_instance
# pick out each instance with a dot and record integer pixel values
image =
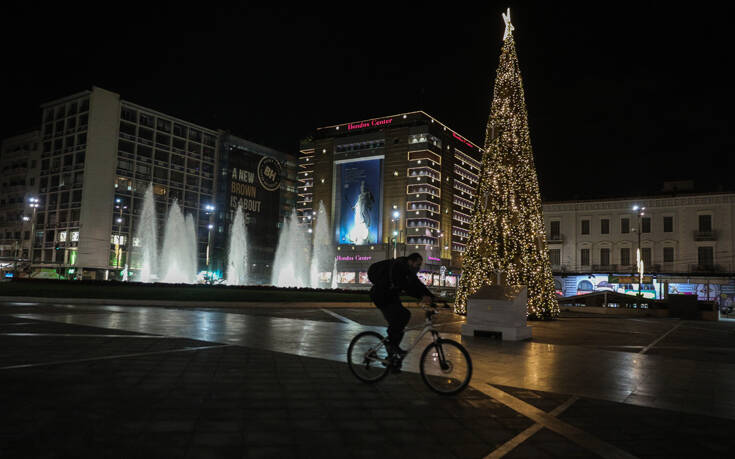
(390, 278)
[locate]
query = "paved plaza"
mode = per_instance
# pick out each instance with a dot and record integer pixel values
(137, 381)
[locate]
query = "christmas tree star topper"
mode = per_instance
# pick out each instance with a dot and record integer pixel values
(508, 26)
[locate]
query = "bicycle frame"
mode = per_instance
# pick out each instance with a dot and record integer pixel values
(428, 327)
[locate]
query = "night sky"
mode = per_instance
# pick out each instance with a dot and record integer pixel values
(619, 100)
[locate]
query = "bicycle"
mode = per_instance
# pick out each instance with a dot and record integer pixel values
(445, 365)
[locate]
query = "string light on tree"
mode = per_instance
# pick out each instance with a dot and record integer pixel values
(507, 232)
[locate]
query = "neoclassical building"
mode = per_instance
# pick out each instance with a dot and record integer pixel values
(683, 239)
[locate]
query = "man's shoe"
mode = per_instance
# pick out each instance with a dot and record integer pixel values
(395, 366)
(396, 350)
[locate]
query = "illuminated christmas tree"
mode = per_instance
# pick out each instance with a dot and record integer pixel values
(507, 235)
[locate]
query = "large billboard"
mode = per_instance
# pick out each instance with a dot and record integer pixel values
(358, 200)
(255, 185)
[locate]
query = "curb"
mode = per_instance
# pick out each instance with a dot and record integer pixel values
(186, 304)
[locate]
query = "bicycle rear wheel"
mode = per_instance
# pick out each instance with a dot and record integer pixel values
(446, 367)
(367, 357)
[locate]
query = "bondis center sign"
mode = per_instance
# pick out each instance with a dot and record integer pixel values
(368, 124)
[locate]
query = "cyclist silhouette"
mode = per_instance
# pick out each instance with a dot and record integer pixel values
(390, 278)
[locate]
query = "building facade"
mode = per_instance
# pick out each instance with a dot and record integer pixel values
(391, 186)
(19, 167)
(99, 155)
(262, 181)
(686, 244)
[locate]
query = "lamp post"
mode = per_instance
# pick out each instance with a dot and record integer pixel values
(396, 223)
(210, 211)
(33, 203)
(639, 258)
(119, 243)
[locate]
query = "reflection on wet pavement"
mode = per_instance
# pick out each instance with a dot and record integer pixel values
(586, 357)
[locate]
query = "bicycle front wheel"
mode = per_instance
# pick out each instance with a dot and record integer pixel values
(367, 357)
(446, 367)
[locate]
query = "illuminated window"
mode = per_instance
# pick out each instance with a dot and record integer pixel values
(75, 236)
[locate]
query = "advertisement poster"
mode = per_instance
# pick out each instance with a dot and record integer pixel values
(358, 201)
(255, 185)
(581, 285)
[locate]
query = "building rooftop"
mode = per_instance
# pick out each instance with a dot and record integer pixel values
(377, 123)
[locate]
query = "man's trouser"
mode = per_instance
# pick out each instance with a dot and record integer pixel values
(397, 316)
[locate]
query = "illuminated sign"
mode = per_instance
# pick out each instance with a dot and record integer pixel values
(269, 173)
(434, 259)
(371, 123)
(466, 142)
(354, 258)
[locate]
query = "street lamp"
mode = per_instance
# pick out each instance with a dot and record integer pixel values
(119, 243)
(396, 222)
(639, 259)
(33, 203)
(209, 208)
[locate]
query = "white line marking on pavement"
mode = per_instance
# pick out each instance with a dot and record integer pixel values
(111, 357)
(574, 434)
(511, 444)
(86, 335)
(529, 432)
(645, 349)
(340, 317)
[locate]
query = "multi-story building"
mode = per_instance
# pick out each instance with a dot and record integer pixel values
(391, 185)
(686, 244)
(19, 162)
(99, 155)
(266, 199)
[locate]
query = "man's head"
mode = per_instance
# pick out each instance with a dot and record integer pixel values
(414, 262)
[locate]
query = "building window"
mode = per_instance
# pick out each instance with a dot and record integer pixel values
(584, 256)
(585, 227)
(147, 120)
(555, 257)
(179, 130)
(605, 257)
(128, 114)
(705, 257)
(668, 224)
(625, 256)
(555, 230)
(705, 223)
(646, 256)
(668, 254)
(605, 227)
(646, 224)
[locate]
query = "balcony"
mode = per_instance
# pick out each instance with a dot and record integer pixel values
(705, 268)
(555, 238)
(705, 236)
(605, 268)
